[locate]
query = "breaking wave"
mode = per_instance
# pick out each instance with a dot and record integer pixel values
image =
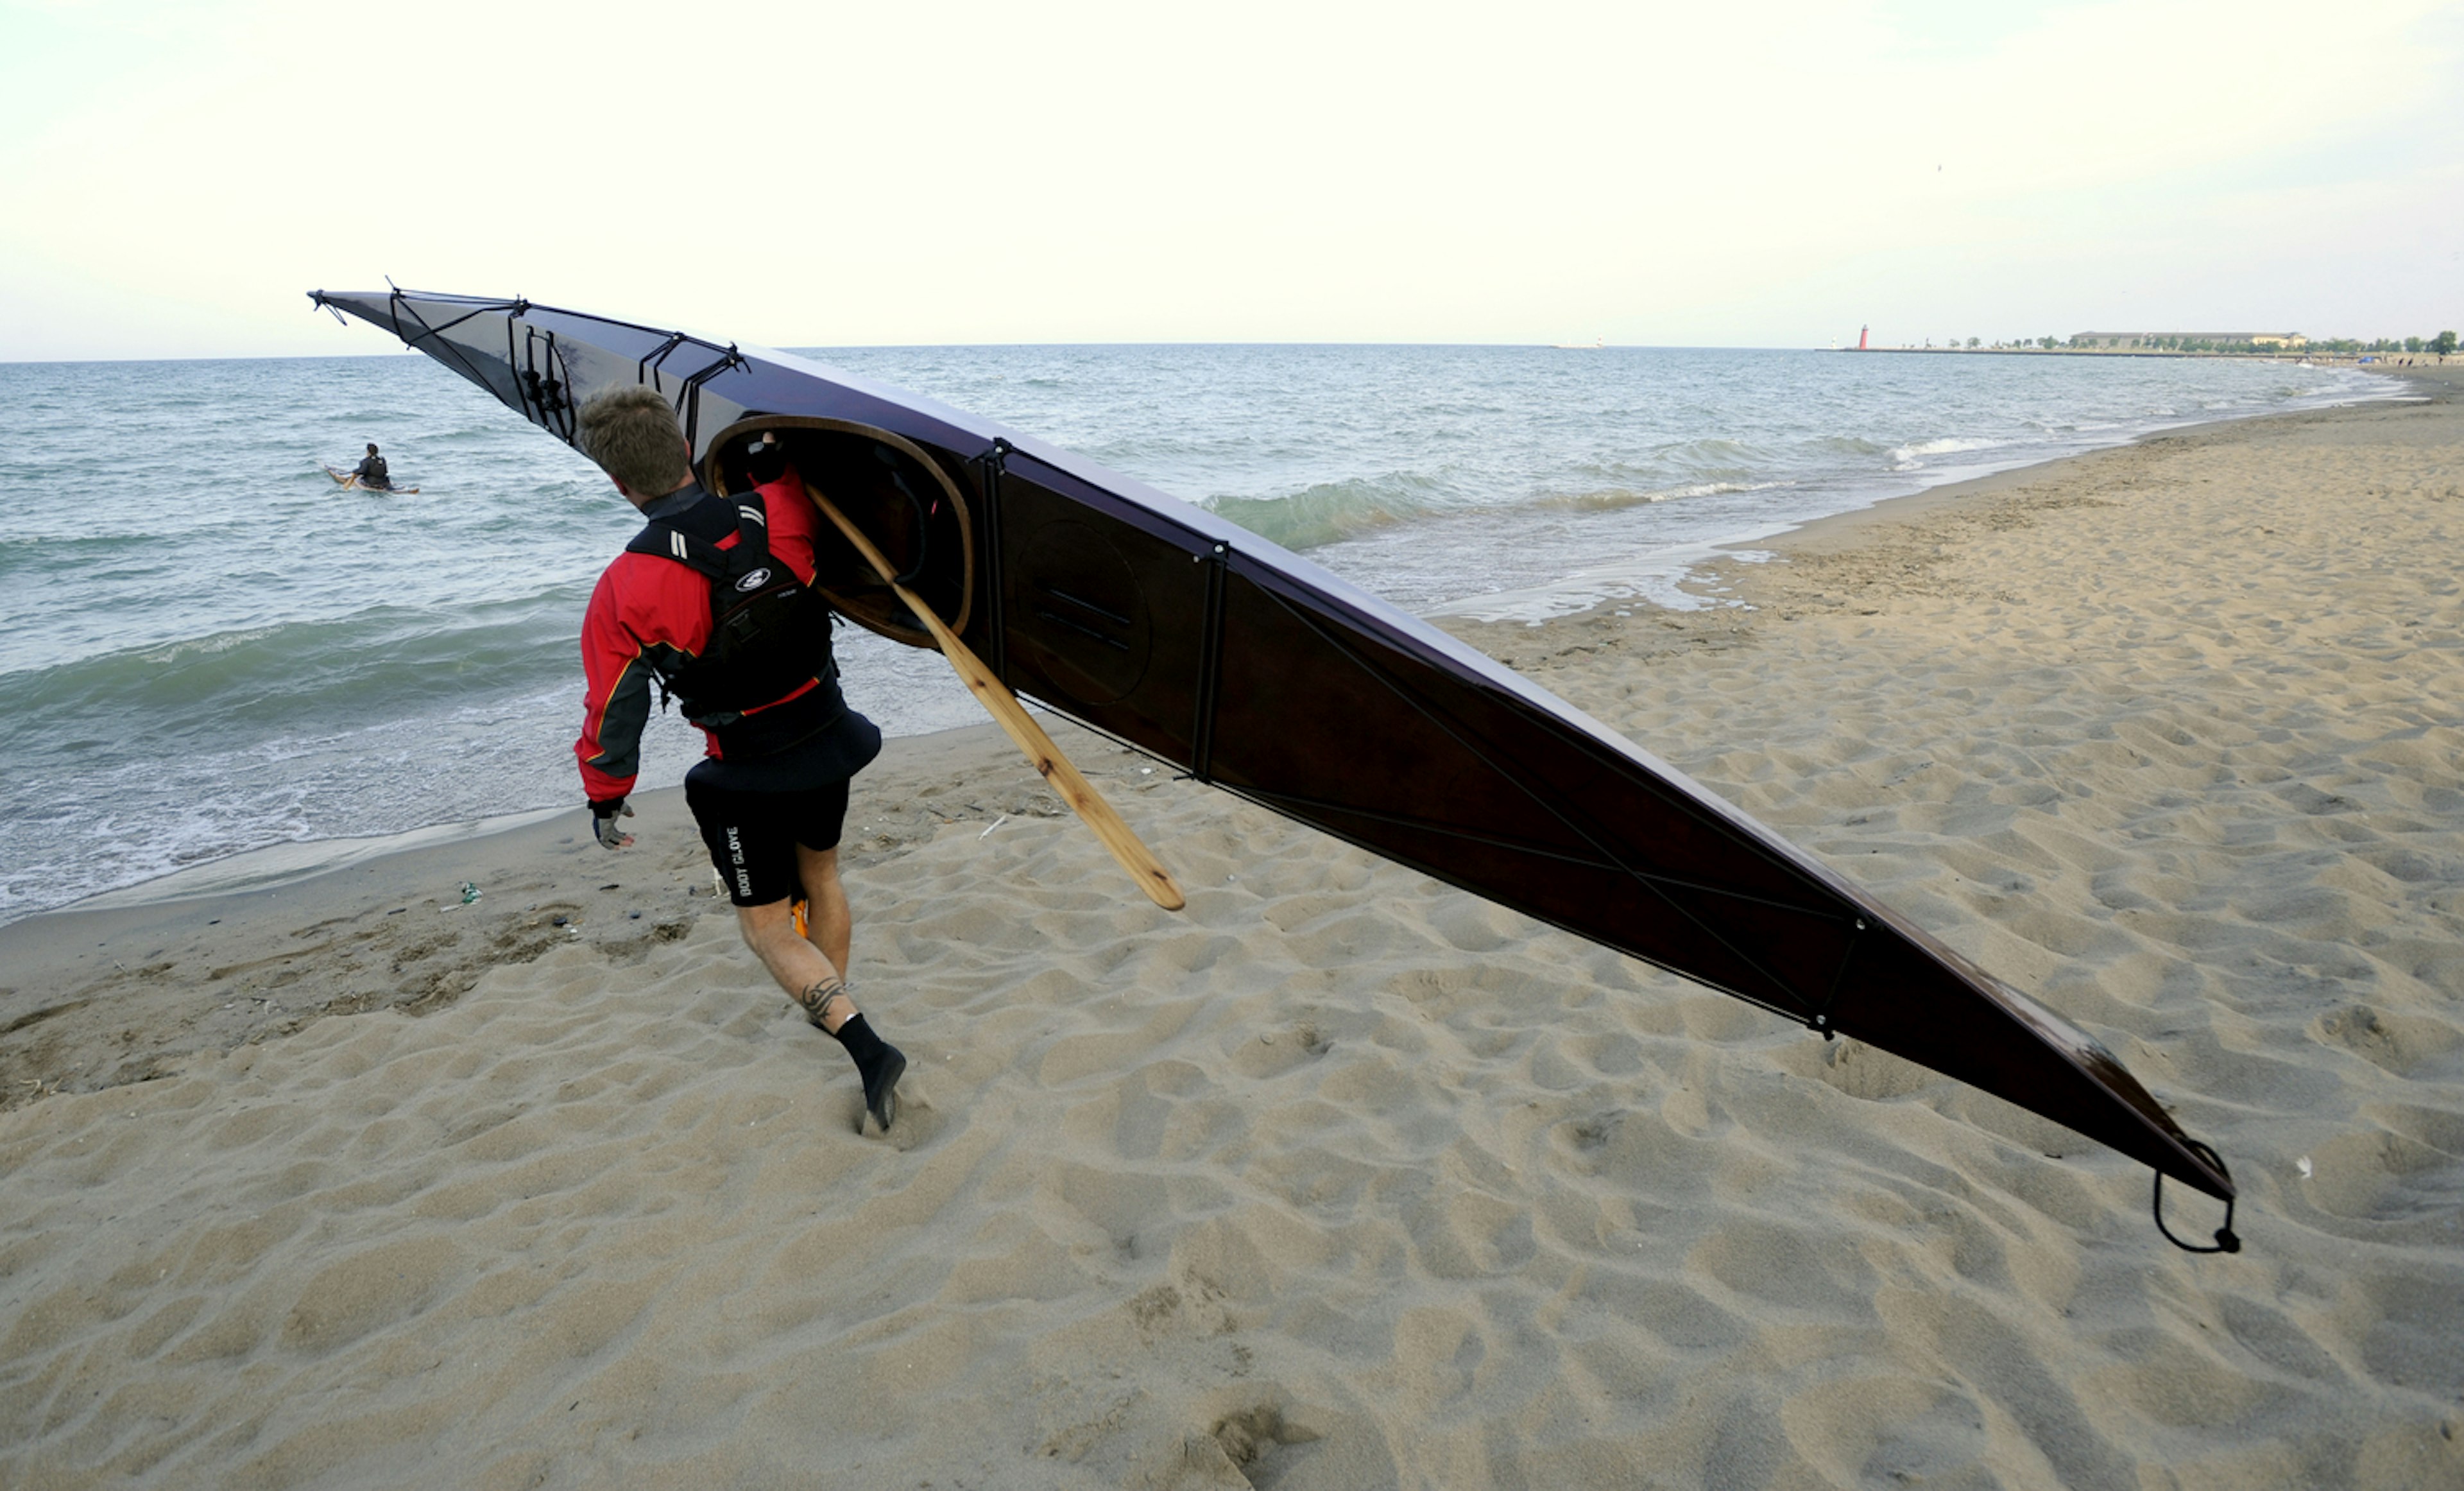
(1333, 511)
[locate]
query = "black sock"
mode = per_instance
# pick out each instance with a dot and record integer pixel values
(879, 1063)
(861, 1043)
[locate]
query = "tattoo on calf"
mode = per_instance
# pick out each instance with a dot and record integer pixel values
(816, 999)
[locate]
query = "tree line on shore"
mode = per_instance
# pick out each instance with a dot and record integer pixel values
(2443, 344)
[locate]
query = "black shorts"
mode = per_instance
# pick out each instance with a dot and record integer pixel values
(753, 836)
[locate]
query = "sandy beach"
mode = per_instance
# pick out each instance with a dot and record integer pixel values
(1342, 1178)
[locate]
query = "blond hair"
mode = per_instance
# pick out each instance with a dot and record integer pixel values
(632, 435)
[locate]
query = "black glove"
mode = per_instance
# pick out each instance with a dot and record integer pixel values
(603, 813)
(765, 460)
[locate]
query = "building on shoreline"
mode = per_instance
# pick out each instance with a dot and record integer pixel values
(2219, 340)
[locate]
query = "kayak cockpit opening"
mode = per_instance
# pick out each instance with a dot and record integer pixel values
(902, 498)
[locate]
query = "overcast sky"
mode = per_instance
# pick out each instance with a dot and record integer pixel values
(174, 176)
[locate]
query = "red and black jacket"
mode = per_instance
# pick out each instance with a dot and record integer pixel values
(712, 603)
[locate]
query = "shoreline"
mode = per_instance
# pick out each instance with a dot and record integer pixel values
(1651, 578)
(1722, 575)
(2438, 385)
(388, 928)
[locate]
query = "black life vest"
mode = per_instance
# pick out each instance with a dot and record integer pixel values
(769, 632)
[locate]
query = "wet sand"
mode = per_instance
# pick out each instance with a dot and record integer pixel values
(1342, 1178)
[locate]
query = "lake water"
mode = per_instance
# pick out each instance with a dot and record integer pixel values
(209, 648)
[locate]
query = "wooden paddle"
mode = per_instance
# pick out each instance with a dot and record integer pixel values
(1072, 785)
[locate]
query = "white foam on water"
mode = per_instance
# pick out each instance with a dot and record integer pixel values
(282, 865)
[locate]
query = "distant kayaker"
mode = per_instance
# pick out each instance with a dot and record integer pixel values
(370, 472)
(771, 796)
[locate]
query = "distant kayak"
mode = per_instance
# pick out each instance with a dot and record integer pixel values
(349, 482)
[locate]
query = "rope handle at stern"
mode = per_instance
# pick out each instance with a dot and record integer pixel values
(2226, 1241)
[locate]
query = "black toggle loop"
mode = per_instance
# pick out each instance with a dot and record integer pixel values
(2226, 1241)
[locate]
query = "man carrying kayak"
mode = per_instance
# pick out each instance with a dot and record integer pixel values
(712, 604)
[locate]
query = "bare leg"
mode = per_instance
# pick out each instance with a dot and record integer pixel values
(803, 971)
(808, 968)
(829, 922)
